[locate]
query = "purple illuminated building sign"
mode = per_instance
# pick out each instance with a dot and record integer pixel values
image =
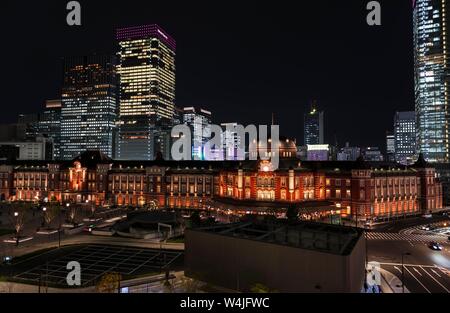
(145, 31)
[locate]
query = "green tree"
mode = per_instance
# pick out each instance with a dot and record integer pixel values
(189, 285)
(109, 283)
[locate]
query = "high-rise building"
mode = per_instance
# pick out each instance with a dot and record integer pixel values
(405, 137)
(147, 87)
(199, 121)
(313, 126)
(89, 105)
(390, 146)
(432, 78)
(49, 124)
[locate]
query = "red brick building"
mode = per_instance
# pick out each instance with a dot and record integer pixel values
(354, 188)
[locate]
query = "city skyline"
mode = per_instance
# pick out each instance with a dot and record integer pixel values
(205, 74)
(236, 148)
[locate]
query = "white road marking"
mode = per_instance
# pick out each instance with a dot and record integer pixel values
(417, 280)
(436, 281)
(417, 271)
(411, 265)
(398, 269)
(436, 273)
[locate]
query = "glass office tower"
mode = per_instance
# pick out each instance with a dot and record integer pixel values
(147, 88)
(431, 43)
(405, 137)
(50, 124)
(89, 105)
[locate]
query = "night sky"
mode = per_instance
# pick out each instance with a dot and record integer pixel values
(242, 59)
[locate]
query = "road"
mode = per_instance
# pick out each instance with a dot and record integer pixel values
(397, 225)
(426, 271)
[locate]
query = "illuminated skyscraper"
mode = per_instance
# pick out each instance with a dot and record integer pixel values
(147, 88)
(390, 146)
(432, 78)
(89, 105)
(405, 137)
(313, 126)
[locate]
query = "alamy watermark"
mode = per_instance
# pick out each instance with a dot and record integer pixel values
(74, 16)
(73, 278)
(213, 141)
(374, 16)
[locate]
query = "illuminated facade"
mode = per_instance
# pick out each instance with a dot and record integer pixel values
(147, 88)
(432, 78)
(89, 104)
(360, 188)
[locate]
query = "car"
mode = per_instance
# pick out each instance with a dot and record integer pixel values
(7, 259)
(435, 246)
(426, 227)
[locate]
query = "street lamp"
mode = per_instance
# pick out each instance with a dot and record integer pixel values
(16, 214)
(403, 270)
(59, 228)
(44, 222)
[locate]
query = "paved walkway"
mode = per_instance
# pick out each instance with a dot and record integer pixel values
(91, 239)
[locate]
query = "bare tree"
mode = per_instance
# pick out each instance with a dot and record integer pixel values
(17, 214)
(51, 211)
(72, 214)
(167, 286)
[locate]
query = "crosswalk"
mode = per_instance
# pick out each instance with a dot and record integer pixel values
(406, 237)
(417, 228)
